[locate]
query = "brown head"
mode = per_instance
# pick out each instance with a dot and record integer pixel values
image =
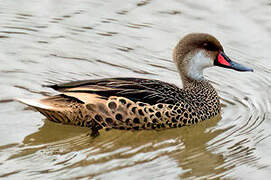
(198, 51)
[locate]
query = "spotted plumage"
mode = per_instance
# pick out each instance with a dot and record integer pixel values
(135, 103)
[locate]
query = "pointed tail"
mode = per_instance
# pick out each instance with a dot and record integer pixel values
(36, 103)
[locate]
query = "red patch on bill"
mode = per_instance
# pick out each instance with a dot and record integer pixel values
(222, 60)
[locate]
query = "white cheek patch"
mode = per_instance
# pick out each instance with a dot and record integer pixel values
(197, 64)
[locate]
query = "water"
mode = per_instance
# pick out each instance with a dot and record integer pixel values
(51, 41)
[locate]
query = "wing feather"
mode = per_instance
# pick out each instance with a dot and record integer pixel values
(135, 89)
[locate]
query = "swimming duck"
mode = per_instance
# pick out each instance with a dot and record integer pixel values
(135, 103)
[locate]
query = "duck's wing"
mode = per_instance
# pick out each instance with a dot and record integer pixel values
(135, 89)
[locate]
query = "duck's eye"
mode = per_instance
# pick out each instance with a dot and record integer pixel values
(209, 47)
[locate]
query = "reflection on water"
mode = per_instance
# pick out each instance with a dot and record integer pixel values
(185, 148)
(49, 42)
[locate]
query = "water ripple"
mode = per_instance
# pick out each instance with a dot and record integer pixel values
(80, 41)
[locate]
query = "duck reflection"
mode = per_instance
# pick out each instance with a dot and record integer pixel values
(188, 145)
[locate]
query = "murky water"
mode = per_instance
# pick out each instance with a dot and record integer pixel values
(52, 41)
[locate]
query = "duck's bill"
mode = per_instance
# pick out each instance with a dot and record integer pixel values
(224, 61)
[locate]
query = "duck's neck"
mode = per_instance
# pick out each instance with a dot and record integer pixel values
(201, 94)
(192, 65)
(189, 83)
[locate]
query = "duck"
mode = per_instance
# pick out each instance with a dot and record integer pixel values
(129, 103)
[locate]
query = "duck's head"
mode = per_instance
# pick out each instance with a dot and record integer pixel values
(198, 51)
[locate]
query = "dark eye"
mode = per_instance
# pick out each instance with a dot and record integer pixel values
(209, 46)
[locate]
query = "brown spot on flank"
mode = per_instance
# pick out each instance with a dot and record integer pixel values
(109, 120)
(136, 121)
(145, 119)
(140, 112)
(118, 117)
(158, 114)
(145, 110)
(179, 111)
(173, 120)
(141, 104)
(128, 105)
(98, 118)
(123, 101)
(127, 121)
(160, 106)
(134, 109)
(112, 105)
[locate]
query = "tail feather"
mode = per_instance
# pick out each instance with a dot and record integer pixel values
(36, 103)
(61, 109)
(47, 110)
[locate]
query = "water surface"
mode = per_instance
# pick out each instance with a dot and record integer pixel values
(51, 41)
